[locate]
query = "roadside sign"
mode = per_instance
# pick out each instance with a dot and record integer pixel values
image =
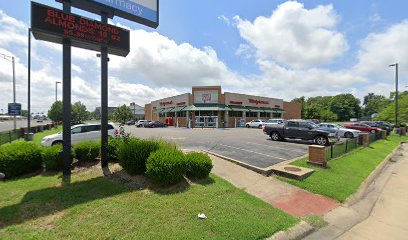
(145, 12)
(53, 25)
(14, 109)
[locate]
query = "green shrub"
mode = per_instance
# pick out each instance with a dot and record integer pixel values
(51, 158)
(199, 165)
(86, 151)
(113, 149)
(133, 154)
(166, 166)
(19, 157)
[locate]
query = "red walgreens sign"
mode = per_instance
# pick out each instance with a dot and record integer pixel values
(53, 25)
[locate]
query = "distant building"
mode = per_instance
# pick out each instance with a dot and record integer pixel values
(98, 113)
(138, 111)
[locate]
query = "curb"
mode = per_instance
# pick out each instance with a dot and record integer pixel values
(299, 231)
(367, 182)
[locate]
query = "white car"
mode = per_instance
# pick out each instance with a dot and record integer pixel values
(79, 133)
(142, 123)
(254, 124)
(274, 121)
(341, 131)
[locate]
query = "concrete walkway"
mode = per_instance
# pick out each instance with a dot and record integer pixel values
(383, 211)
(289, 198)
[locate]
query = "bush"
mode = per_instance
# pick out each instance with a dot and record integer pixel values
(51, 158)
(199, 165)
(133, 154)
(87, 151)
(113, 149)
(19, 157)
(166, 166)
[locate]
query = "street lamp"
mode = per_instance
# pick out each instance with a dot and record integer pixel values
(396, 91)
(11, 59)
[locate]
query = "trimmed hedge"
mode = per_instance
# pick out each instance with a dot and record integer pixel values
(166, 166)
(133, 154)
(19, 158)
(199, 165)
(51, 159)
(87, 151)
(113, 149)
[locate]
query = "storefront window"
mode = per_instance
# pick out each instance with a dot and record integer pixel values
(171, 114)
(161, 115)
(251, 114)
(235, 114)
(182, 114)
(276, 115)
(265, 115)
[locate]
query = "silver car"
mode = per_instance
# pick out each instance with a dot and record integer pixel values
(341, 131)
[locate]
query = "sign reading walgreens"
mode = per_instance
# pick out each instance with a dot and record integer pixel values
(51, 24)
(145, 12)
(257, 101)
(166, 103)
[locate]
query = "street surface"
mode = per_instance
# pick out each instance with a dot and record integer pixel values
(250, 146)
(9, 125)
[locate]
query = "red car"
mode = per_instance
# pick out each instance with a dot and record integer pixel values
(362, 127)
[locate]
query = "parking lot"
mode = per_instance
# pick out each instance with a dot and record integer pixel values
(249, 146)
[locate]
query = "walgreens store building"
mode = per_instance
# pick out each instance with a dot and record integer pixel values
(209, 107)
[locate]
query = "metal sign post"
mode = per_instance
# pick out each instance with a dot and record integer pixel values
(104, 100)
(66, 92)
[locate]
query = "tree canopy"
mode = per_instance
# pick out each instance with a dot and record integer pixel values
(123, 114)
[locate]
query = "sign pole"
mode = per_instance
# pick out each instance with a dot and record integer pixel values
(66, 110)
(14, 89)
(104, 99)
(29, 86)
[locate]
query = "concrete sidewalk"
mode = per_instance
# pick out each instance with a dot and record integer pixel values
(289, 198)
(382, 213)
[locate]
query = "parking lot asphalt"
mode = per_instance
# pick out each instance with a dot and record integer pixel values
(249, 146)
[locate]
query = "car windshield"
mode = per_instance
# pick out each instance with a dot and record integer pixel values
(313, 125)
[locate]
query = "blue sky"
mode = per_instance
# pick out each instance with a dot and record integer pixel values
(281, 49)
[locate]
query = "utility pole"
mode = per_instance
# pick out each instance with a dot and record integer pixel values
(396, 92)
(6, 57)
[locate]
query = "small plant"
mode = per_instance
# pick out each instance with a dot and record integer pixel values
(199, 165)
(113, 148)
(51, 158)
(19, 157)
(133, 154)
(86, 151)
(166, 166)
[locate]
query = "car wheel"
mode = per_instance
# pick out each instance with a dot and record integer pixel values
(153, 126)
(372, 131)
(321, 140)
(349, 135)
(275, 136)
(247, 126)
(56, 143)
(260, 126)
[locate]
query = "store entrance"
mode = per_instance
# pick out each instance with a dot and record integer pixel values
(210, 122)
(206, 119)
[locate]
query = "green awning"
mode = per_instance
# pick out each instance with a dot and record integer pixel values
(254, 109)
(207, 107)
(177, 109)
(237, 108)
(166, 110)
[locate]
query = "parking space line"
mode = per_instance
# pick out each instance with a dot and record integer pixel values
(298, 151)
(253, 152)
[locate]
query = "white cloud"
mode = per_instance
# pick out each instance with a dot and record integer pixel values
(295, 36)
(224, 19)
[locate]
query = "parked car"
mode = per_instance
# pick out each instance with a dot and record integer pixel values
(341, 131)
(362, 127)
(130, 122)
(79, 133)
(381, 125)
(300, 129)
(254, 124)
(141, 123)
(315, 121)
(273, 121)
(154, 124)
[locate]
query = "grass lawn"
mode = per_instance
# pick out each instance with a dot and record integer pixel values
(39, 136)
(93, 207)
(345, 174)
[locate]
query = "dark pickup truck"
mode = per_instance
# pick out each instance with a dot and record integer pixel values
(300, 129)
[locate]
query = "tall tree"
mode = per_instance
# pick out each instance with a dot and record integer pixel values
(79, 113)
(123, 113)
(55, 112)
(388, 113)
(346, 106)
(374, 103)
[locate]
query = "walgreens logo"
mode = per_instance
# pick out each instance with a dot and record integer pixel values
(257, 101)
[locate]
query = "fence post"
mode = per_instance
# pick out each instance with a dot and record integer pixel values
(403, 131)
(383, 134)
(366, 139)
(347, 145)
(317, 155)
